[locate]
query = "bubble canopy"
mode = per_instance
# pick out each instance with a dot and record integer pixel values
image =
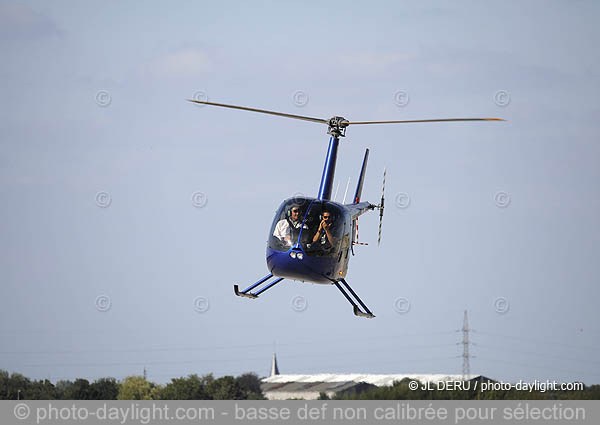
(316, 227)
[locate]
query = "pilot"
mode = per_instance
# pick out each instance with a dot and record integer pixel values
(288, 229)
(324, 234)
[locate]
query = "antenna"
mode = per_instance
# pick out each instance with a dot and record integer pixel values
(346, 192)
(336, 192)
(466, 370)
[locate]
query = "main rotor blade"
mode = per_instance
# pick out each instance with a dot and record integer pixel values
(262, 111)
(434, 120)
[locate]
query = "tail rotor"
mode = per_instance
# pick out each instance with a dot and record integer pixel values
(380, 206)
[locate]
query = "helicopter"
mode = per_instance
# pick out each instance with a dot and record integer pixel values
(310, 238)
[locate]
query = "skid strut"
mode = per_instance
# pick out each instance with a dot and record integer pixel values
(246, 292)
(357, 310)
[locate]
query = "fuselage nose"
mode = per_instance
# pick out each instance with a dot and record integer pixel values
(296, 265)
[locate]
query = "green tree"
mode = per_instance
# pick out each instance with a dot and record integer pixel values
(61, 387)
(138, 388)
(4, 378)
(104, 389)
(250, 385)
(190, 388)
(225, 388)
(42, 390)
(78, 390)
(14, 386)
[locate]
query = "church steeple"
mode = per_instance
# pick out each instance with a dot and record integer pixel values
(274, 368)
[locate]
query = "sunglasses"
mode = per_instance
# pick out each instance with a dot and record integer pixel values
(295, 211)
(326, 217)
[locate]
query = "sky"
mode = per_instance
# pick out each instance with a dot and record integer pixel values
(128, 214)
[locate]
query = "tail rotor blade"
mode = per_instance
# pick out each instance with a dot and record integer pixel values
(381, 209)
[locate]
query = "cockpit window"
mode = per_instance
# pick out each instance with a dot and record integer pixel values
(288, 223)
(323, 230)
(317, 225)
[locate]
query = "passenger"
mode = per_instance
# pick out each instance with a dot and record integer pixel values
(288, 229)
(325, 232)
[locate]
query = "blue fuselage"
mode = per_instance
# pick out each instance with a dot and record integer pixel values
(303, 259)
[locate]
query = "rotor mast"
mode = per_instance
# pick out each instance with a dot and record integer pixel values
(337, 129)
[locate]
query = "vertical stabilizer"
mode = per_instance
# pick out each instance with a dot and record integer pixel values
(361, 178)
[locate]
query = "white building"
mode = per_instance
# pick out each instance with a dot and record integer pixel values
(308, 387)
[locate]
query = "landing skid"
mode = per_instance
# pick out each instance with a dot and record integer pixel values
(359, 313)
(246, 292)
(243, 294)
(357, 310)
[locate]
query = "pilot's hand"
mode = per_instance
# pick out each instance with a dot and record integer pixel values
(326, 225)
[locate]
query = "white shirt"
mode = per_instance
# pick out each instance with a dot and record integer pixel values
(283, 230)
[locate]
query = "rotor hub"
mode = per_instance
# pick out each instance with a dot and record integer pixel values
(337, 126)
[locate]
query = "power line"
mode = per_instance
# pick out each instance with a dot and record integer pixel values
(493, 347)
(537, 341)
(220, 359)
(210, 348)
(539, 367)
(466, 355)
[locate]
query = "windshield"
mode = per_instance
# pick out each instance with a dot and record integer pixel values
(323, 228)
(317, 225)
(287, 224)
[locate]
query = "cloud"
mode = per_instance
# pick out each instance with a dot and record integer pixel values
(359, 63)
(18, 22)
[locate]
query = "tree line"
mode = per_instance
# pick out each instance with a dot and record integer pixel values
(193, 387)
(244, 387)
(400, 390)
